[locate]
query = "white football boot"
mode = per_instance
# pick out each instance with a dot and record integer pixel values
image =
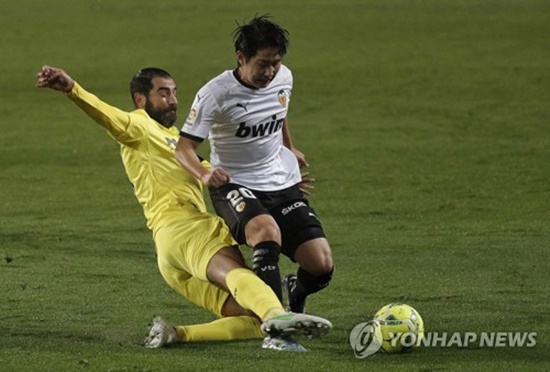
(289, 324)
(282, 344)
(161, 334)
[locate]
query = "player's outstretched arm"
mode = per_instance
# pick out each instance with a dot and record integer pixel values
(54, 78)
(111, 118)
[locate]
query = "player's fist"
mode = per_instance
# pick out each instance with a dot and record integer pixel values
(217, 178)
(54, 78)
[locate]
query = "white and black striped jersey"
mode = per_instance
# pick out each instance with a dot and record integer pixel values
(244, 128)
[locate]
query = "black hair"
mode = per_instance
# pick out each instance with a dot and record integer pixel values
(261, 32)
(142, 81)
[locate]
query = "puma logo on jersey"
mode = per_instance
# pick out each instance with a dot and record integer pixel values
(243, 105)
(259, 130)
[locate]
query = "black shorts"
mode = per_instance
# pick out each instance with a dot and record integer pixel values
(297, 221)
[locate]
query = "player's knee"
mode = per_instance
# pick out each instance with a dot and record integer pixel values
(261, 229)
(315, 257)
(326, 266)
(320, 264)
(270, 232)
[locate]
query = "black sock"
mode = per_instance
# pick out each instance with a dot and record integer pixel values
(265, 264)
(307, 284)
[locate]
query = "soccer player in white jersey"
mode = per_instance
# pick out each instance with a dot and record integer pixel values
(255, 171)
(196, 254)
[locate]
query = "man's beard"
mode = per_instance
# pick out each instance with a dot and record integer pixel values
(166, 117)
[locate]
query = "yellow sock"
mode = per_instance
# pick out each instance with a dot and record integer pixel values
(253, 294)
(223, 329)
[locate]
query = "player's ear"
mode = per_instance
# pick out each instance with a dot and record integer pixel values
(139, 100)
(241, 58)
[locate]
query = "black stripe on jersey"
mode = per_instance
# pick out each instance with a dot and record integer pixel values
(191, 137)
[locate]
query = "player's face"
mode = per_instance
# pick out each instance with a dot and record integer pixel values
(161, 103)
(261, 69)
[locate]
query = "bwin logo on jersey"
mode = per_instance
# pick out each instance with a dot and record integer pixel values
(290, 208)
(259, 130)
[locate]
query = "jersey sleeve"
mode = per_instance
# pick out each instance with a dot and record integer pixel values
(125, 127)
(202, 116)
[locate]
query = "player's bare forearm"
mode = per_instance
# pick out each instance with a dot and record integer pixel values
(186, 155)
(111, 118)
(287, 141)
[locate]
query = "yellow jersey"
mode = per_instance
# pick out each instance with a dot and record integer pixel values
(161, 185)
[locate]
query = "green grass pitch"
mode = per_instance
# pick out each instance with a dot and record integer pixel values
(427, 127)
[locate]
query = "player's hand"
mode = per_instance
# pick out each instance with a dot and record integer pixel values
(300, 156)
(305, 184)
(217, 178)
(54, 78)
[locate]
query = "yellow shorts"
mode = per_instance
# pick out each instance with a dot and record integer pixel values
(186, 240)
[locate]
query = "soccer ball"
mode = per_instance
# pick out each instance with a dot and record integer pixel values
(401, 326)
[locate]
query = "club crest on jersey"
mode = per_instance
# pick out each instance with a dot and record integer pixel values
(240, 207)
(282, 96)
(192, 116)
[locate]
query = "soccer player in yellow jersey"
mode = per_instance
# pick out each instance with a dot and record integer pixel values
(197, 256)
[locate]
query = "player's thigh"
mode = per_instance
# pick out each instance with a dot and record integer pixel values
(199, 292)
(188, 242)
(237, 205)
(298, 223)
